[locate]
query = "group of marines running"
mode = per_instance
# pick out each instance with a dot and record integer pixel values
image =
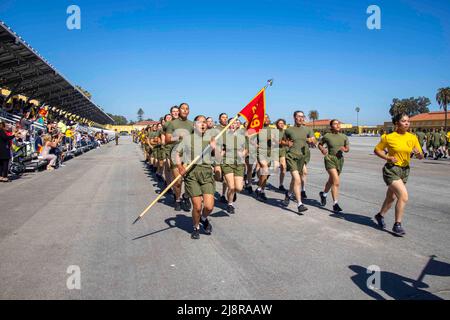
(237, 156)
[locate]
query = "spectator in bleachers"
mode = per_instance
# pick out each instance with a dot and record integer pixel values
(6, 137)
(38, 143)
(49, 143)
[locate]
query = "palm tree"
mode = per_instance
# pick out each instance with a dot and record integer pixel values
(140, 114)
(313, 115)
(358, 109)
(443, 99)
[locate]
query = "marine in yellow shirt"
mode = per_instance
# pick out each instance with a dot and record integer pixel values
(399, 145)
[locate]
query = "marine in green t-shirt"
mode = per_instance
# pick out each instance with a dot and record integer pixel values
(199, 180)
(336, 144)
(175, 131)
(297, 138)
(421, 137)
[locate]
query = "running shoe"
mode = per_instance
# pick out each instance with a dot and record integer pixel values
(177, 205)
(286, 200)
(185, 203)
(304, 196)
(262, 196)
(323, 199)
(337, 208)
(230, 209)
(206, 226)
(302, 208)
(380, 220)
(195, 234)
(398, 230)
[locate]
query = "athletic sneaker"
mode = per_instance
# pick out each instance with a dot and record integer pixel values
(263, 197)
(336, 208)
(302, 208)
(230, 209)
(286, 200)
(304, 196)
(323, 199)
(398, 229)
(380, 220)
(195, 234)
(260, 195)
(282, 188)
(206, 226)
(185, 203)
(177, 205)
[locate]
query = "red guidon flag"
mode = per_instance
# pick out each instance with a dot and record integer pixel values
(254, 113)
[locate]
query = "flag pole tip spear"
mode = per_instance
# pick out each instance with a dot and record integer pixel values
(137, 219)
(269, 83)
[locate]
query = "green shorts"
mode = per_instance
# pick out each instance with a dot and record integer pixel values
(282, 152)
(295, 162)
(392, 172)
(307, 156)
(236, 169)
(333, 162)
(199, 180)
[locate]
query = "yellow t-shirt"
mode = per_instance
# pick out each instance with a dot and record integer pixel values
(317, 135)
(448, 136)
(69, 133)
(399, 146)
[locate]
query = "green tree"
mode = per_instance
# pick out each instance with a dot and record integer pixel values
(313, 115)
(443, 99)
(357, 109)
(140, 114)
(119, 120)
(411, 106)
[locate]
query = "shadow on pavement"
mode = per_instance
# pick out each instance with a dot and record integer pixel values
(179, 221)
(395, 286)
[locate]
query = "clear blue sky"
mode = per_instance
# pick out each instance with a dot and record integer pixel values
(216, 55)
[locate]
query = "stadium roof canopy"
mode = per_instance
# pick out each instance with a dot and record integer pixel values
(23, 71)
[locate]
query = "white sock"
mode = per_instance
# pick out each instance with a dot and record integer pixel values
(335, 202)
(325, 194)
(203, 218)
(230, 203)
(259, 189)
(299, 204)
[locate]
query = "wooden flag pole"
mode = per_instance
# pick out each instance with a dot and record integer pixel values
(269, 83)
(187, 169)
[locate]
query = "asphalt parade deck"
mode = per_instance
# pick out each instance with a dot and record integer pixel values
(81, 215)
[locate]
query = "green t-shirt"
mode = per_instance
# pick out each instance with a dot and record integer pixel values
(299, 135)
(234, 149)
(334, 142)
(192, 146)
(421, 137)
(179, 128)
(223, 139)
(436, 138)
(265, 139)
(281, 135)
